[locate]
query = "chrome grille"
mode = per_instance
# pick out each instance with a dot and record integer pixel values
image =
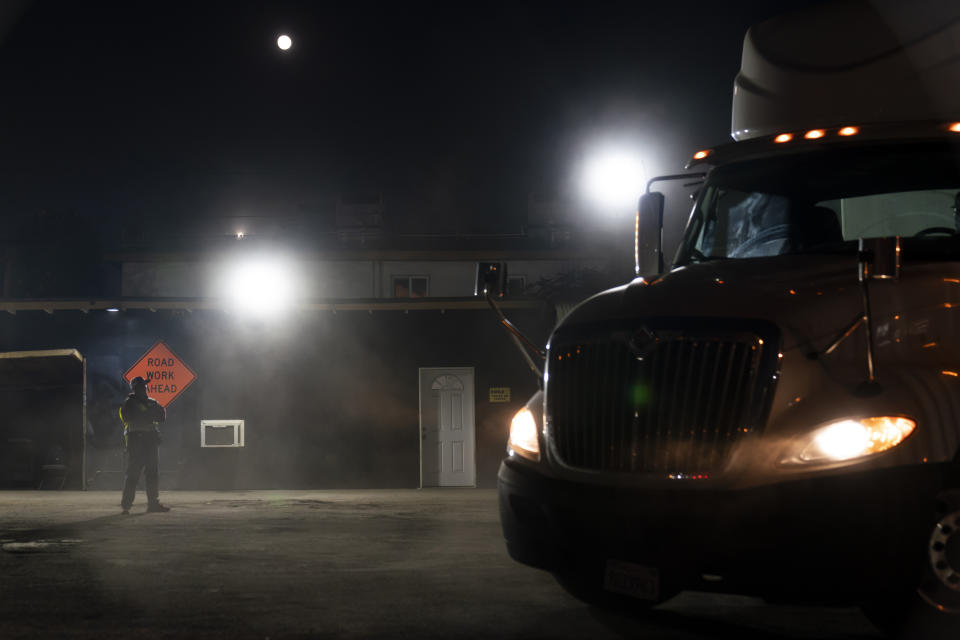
(672, 401)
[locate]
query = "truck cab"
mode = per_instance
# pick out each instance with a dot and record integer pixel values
(776, 411)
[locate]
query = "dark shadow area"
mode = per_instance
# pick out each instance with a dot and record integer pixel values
(646, 624)
(71, 530)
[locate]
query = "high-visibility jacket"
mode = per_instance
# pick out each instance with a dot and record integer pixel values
(141, 415)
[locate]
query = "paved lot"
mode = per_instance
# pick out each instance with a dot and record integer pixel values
(325, 564)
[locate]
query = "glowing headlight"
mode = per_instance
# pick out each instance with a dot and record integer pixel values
(849, 439)
(523, 435)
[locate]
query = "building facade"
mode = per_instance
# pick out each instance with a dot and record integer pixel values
(382, 369)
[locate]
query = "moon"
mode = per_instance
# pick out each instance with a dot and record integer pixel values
(284, 42)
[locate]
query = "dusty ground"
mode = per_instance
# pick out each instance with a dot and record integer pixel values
(326, 564)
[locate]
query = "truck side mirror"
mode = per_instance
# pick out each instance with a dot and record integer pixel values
(880, 258)
(648, 234)
(491, 279)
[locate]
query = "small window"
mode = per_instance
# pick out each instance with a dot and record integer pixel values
(221, 433)
(516, 285)
(410, 286)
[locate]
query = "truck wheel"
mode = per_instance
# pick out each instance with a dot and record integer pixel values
(930, 608)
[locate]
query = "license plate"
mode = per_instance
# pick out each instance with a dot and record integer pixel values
(632, 580)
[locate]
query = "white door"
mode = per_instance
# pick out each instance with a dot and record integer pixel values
(447, 440)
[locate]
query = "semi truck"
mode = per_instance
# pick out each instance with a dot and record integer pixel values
(776, 411)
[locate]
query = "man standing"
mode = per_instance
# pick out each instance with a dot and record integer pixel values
(141, 415)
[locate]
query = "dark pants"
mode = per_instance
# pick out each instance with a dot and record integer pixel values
(141, 456)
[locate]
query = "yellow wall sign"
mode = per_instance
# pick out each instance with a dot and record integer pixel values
(499, 394)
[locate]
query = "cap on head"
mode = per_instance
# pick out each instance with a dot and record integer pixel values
(138, 381)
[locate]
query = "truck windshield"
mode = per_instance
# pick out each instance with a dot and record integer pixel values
(823, 202)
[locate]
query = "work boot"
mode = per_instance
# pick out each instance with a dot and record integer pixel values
(156, 507)
(125, 512)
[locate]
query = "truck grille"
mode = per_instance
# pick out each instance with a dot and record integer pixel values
(658, 400)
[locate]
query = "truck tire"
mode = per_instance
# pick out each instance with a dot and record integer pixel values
(929, 608)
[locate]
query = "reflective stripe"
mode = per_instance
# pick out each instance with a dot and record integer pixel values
(134, 426)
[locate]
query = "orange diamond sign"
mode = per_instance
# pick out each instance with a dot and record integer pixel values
(167, 373)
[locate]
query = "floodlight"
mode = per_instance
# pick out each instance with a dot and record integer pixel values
(261, 287)
(614, 179)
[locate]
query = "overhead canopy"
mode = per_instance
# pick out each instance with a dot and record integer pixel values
(41, 369)
(43, 401)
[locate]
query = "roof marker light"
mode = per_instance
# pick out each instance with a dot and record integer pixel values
(849, 131)
(700, 155)
(813, 134)
(784, 137)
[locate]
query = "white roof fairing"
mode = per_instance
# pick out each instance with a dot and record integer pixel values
(852, 62)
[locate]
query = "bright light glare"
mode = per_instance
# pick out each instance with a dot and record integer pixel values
(848, 439)
(843, 440)
(284, 42)
(614, 180)
(261, 288)
(523, 435)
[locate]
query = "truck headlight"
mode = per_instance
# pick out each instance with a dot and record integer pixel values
(854, 438)
(523, 435)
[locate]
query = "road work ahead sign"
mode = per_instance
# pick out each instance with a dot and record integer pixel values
(168, 375)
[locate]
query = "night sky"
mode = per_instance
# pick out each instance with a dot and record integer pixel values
(452, 112)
